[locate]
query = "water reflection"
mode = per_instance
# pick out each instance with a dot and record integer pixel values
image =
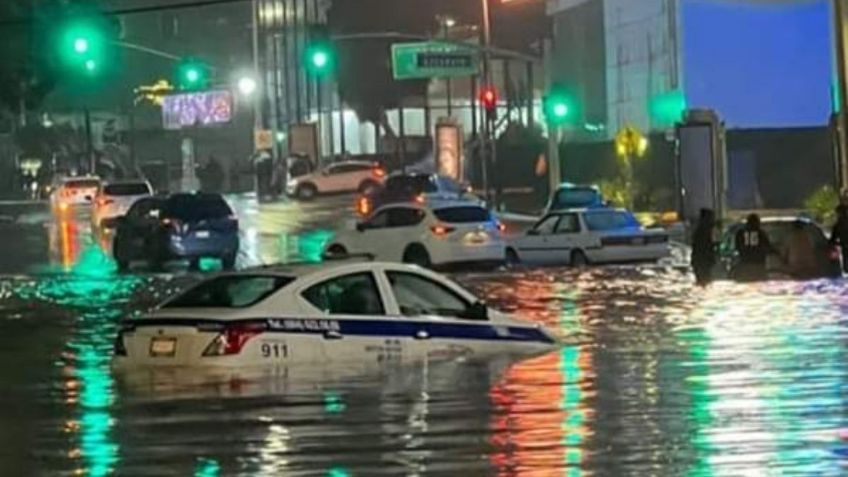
(656, 378)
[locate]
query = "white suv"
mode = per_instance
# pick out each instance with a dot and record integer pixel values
(114, 199)
(347, 176)
(427, 235)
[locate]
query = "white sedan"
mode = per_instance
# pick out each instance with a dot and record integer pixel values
(312, 314)
(583, 236)
(426, 234)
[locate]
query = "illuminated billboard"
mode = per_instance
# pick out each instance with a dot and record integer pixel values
(206, 108)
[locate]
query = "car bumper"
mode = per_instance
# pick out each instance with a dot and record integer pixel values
(443, 253)
(190, 246)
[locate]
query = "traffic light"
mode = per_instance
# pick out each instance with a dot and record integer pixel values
(489, 100)
(82, 45)
(559, 106)
(192, 75)
(320, 54)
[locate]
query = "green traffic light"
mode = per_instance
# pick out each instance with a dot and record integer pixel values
(192, 75)
(90, 65)
(319, 59)
(560, 110)
(560, 107)
(81, 45)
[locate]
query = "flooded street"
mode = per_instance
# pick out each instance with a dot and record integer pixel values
(654, 377)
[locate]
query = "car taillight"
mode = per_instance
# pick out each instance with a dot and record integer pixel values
(441, 230)
(379, 172)
(172, 223)
(102, 201)
(120, 346)
(231, 341)
(419, 199)
(363, 206)
(501, 227)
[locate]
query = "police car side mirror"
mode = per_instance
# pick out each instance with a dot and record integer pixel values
(478, 311)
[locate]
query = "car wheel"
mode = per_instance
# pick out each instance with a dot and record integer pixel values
(512, 258)
(336, 250)
(228, 262)
(579, 259)
(368, 187)
(417, 255)
(307, 192)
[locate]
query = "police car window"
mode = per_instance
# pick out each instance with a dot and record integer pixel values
(568, 224)
(600, 221)
(546, 225)
(417, 295)
(237, 291)
(355, 294)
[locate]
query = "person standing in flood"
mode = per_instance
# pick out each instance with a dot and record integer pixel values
(704, 247)
(839, 234)
(754, 247)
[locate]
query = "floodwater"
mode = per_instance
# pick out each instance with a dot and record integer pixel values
(654, 377)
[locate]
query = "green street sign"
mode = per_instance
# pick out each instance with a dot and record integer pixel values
(432, 60)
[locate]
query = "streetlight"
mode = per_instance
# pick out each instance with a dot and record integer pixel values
(246, 85)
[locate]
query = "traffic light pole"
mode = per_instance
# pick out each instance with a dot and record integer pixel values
(487, 82)
(89, 142)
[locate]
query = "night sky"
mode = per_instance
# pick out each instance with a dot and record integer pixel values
(759, 65)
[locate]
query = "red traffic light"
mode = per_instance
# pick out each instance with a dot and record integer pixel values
(489, 97)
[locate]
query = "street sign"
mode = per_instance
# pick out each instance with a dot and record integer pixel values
(263, 139)
(432, 60)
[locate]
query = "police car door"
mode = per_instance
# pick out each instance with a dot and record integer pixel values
(357, 326)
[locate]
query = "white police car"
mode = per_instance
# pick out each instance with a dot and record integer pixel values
(312, 314)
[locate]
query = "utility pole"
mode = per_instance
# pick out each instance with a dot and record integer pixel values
(841, 63)
(257, 106)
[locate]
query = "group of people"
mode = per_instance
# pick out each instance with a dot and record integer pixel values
(754, 247)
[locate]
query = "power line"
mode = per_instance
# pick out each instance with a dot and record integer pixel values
(138, 10)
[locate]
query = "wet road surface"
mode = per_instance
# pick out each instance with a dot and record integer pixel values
(655, 377)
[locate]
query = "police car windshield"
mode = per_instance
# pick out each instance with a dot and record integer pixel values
(236, 291)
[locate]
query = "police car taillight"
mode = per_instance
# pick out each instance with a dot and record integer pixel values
(232, 339)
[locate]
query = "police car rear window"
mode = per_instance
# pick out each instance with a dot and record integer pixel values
(230, 292)
(190, 207)
(462, 215)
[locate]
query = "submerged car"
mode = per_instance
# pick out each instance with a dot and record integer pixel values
(310, 314)
(189, 227)
(778, 230)
(427, 234)
(588, 236)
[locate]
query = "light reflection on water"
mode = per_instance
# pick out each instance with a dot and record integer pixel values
(655, 378)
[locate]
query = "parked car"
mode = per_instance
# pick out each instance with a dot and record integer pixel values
(180, 227)
(69, 192)
(778, 230)
(401, 187)
(588, 236)
(573, 196)
(341, 177)
(323, 313)
(114, 199)
(433, 234)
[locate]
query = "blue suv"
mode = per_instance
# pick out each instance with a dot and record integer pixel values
(179, 227)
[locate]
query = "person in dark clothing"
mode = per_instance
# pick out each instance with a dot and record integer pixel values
(839, 234)
(704, 247)
(754, 247)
